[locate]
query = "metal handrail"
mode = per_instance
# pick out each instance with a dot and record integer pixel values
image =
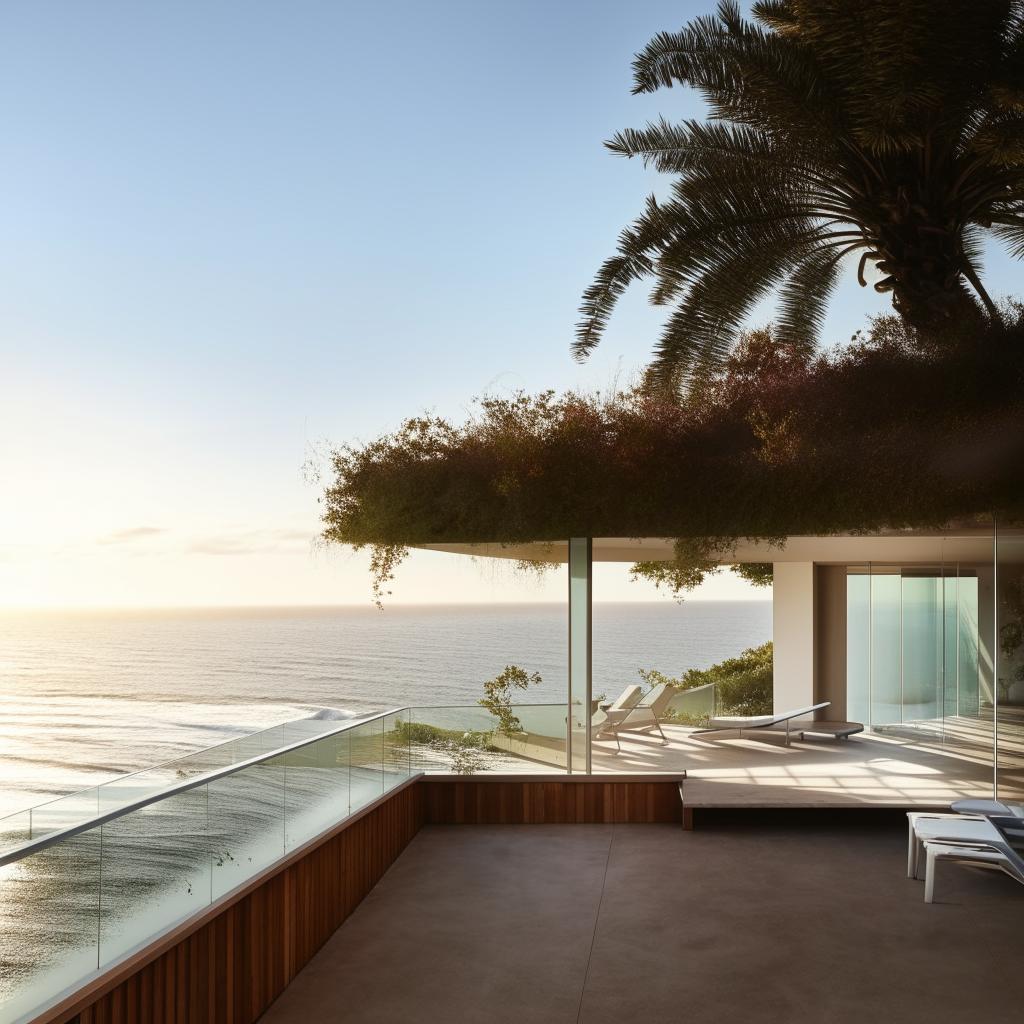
(37, 845)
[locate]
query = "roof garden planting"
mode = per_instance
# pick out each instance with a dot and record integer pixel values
(889, 432)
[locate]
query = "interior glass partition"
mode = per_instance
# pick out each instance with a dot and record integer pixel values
(918, 652)
(858, 643)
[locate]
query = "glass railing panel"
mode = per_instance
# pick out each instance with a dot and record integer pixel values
(397, 748)
(64, 812)
(15, 829)
(450, 739)
(468, 739)
(119, 792)
(48, 923)
(694, 707)
(546, 720)
(366, 757)
(540, 739)
(247, 818)
(91, 898)
(156, 870)
(316, 787)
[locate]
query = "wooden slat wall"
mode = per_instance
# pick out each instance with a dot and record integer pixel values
(482, 801)
(235, 965)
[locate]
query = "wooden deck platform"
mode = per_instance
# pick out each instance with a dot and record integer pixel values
(867, 770)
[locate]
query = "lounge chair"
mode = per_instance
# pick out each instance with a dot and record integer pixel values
(642, 717)
(998, 856)
(927, 826)
(629, 698)
(991, 853)
(731, 723)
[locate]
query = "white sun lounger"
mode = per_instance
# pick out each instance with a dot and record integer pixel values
(641, 717)
(929, 826)
(730, 723)
(995, 852)
(629, 698)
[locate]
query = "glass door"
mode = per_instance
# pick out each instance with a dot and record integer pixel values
(913, 654)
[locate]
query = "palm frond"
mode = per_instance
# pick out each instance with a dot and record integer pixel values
(896, 128)
(803, 299)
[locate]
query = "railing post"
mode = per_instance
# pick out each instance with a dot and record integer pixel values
(580, 688)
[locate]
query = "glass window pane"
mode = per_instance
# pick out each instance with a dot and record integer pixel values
(886, 653)
(923, 646)
(1010, 662)
(580, 710)
(858, 644)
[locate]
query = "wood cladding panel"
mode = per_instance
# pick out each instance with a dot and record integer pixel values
(479, 801)
(233, 966)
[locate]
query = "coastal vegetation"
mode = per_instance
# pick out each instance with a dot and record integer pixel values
(743, 685)
(887, 432)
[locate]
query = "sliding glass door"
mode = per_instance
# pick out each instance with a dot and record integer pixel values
(913, 647)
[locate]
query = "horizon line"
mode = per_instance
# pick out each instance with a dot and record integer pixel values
(367, 605)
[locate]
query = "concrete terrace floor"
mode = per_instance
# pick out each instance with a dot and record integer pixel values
(869, 769)
(771, 921)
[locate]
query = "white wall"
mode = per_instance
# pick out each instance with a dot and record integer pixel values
(793, 634)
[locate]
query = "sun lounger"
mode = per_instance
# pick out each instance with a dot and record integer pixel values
(642, 717)
(629, 698)
(1001, 857)
(926, 826)
(731, 723)
(626, 700)
(996, 851)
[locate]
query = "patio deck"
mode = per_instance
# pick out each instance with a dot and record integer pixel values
(868, 770)
(759, 922)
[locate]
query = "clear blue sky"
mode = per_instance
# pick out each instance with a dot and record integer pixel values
(234, 230)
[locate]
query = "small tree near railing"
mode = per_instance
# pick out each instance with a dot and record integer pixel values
(498, 693)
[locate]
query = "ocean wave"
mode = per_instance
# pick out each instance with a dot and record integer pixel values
(334, 714)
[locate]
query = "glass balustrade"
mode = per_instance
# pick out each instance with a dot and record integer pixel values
(75, 904)
(466, 739)
(81, 806)
(694, 707)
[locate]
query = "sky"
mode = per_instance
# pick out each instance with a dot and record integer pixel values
(235, 234)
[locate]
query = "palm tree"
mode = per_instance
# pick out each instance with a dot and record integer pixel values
(889, 128)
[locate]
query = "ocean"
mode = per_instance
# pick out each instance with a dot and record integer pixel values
(87, 696)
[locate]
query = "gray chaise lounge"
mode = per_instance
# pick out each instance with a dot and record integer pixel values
(731, 723)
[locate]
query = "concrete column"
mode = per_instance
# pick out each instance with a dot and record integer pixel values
(793, 627)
